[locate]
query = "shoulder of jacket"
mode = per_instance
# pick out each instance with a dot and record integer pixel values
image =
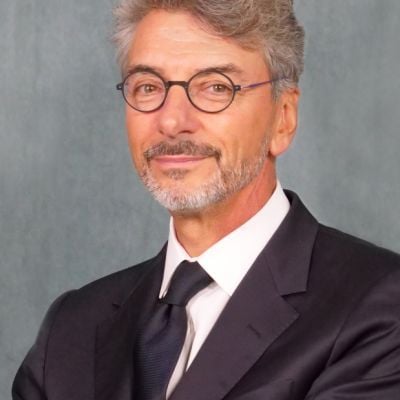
(94, 301)
(353, 249)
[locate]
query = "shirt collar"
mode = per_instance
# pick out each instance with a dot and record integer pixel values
(228, 260)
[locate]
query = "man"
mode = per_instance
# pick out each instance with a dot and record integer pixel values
(271, 305)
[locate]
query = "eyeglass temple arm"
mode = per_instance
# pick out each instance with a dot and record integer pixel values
(254, 85)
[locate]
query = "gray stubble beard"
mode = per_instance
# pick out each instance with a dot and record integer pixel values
(221, 185)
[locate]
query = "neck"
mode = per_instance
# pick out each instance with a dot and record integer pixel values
(198, 231)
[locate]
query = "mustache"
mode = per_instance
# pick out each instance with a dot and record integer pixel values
(184, 147)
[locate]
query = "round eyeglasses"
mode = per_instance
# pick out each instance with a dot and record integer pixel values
(208, 91)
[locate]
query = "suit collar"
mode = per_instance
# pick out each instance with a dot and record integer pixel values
(289, 252)
(147, 271)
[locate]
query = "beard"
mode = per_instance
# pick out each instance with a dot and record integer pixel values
(226, 180)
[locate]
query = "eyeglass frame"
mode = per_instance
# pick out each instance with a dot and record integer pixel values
(185, 85)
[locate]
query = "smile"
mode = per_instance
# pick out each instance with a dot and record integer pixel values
(178, 161)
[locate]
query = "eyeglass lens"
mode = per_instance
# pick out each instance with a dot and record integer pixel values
(208, 91)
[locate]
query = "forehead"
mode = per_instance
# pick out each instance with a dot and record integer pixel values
(176, 42)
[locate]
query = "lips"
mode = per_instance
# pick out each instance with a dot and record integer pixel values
(178, 161)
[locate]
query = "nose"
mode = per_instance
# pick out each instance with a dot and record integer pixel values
(177, 115)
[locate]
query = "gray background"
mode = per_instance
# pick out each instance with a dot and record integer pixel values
(72, 209)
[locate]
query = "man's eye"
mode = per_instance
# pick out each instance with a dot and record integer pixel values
(216, 88)
(219, 88)
(146, 88)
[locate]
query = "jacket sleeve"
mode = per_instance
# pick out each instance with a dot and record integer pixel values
(365, 359)
(29, 383)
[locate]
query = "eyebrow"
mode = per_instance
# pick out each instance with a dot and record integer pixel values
(142, 68)
(224, 68)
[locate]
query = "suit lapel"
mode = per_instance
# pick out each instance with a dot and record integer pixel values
(257, 314)
(253, 318)
(115, 336)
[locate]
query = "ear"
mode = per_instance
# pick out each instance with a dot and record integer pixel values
(286, 121)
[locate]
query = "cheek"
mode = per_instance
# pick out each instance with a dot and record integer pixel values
(220, 131)
(240, 134)
(137, 137)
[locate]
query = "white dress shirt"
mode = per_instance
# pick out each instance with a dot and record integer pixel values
(227, 262)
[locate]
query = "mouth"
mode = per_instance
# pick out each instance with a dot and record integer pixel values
(178, 161)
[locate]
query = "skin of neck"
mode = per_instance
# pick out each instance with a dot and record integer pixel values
(198, 231)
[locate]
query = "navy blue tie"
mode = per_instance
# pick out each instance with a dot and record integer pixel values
(161, 338)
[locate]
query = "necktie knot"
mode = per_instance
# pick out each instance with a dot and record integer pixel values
(188, 279)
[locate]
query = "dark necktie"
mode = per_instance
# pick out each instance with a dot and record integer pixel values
(161, 339)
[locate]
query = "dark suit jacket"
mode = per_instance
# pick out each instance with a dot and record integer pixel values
(316, 317)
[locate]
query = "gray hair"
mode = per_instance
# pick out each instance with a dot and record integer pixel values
(254, 24)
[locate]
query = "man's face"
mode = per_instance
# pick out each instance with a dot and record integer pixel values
(191, 160)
